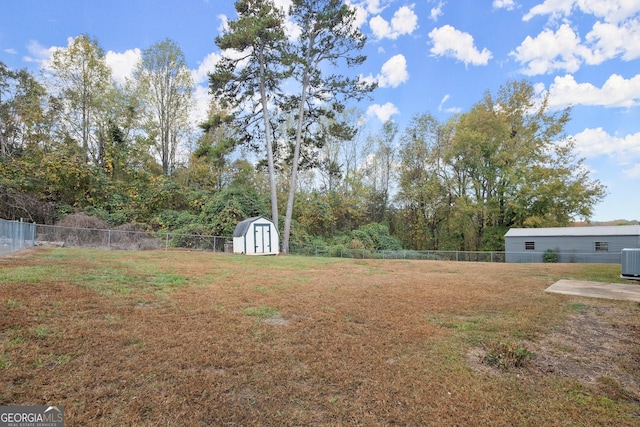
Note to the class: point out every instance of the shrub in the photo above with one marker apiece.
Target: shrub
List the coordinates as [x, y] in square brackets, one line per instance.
[550, 256]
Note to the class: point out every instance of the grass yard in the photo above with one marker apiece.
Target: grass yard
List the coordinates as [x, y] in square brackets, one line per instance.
[199, 339]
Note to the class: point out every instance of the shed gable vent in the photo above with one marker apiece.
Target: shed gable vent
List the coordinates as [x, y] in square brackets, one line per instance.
[630, 259]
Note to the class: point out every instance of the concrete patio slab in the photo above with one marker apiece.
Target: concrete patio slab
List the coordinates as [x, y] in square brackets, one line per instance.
[596, 289]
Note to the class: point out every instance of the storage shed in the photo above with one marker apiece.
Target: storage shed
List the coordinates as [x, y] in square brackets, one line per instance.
[601, 244]
[256, 236]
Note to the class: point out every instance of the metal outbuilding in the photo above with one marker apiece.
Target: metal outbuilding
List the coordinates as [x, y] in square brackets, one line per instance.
[256, 236]
[597, 244]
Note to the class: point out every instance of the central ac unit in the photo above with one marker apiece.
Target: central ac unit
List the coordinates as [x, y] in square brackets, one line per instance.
[630, 259]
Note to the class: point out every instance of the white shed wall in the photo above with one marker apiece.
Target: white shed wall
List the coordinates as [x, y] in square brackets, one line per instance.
[260, 238]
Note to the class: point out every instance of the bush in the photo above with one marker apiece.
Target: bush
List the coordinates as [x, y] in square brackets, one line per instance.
[507, 355]
[82, 220]
[550, 256]
[375, 236]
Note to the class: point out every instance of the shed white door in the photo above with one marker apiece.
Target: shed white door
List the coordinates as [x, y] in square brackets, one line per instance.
[262, 238]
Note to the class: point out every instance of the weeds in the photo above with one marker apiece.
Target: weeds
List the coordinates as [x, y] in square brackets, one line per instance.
[4, 361]
[11, 303]
[261, 312]
[42, 331]
[505, 355]
[578, 307]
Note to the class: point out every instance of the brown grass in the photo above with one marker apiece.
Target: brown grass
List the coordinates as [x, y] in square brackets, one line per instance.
[189, 338]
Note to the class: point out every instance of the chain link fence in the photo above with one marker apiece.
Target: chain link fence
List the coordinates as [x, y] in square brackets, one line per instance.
[344, 252]
[16, 235]
[473, 256]
[57, 236]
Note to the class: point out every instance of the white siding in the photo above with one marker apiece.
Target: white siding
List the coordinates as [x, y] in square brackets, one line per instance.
[256, 236]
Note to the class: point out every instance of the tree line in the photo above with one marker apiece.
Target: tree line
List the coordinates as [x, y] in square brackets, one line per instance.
[76, 140]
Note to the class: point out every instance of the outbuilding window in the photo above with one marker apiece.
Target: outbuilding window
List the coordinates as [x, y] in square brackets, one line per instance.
[529, 246]
[602, 246]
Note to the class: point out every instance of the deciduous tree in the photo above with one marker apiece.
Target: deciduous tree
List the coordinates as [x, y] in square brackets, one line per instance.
[81, 82]
[165, 89]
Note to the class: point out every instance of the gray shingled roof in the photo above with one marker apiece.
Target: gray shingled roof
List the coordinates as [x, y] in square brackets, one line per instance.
[243, 226]
[609, 230]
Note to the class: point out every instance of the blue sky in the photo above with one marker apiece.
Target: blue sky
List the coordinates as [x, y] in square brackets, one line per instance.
[428, 56]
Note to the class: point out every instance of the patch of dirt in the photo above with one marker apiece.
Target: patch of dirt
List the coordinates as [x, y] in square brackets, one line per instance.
[276, 320]
[597, 346]
[594, 345]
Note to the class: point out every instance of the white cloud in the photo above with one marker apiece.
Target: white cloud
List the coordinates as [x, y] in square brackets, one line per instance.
[436, 12]
[373, 6]
[504, 4]
[122, 64]
[615, 33]
[283, 4]
[392, 74]
[615, 92]
[205, 67]
[610, 10]
[381, 28]
[404, 21]
[39, 53]
[632, 172]
[394, 71]
[551, 51]
[224, 24]
[448, 41]
[10, 51]
[625, 150]
[361, 14]
[382, 112]
[613, 11]
[202, 101]
[610, 40]
[453, 110]
[555, 8]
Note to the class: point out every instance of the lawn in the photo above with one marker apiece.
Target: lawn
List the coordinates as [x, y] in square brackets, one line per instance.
[191, 338]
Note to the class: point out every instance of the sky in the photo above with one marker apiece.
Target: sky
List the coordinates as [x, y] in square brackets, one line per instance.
[427, 56]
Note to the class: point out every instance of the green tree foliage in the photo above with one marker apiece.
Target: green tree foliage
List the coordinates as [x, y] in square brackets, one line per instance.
[375, 236]
[328, 36]
[227, 208]
[378, 171]
[164, 88]
[252, 73]
[426, 190]
[81, 82]
[209, 167]
[22, 116]
[505, 163]
[520, 164]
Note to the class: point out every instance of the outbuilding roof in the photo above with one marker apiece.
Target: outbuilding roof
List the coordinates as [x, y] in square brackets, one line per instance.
[608, 230]
[243, 226]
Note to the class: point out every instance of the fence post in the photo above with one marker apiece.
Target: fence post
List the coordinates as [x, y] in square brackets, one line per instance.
[166, 242]
[20, 235]
[14, 235]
